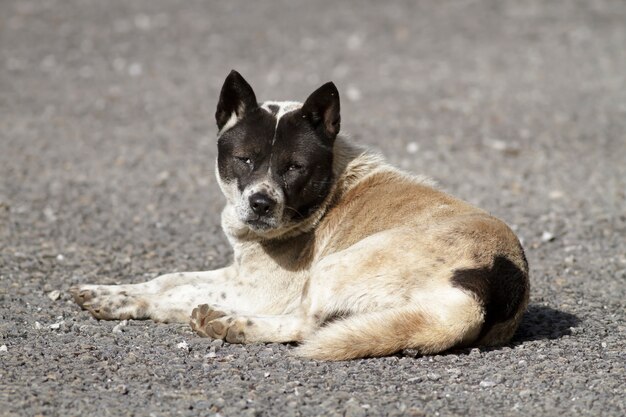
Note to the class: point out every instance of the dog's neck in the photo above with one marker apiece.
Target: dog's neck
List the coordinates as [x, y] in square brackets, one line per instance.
[351, 164]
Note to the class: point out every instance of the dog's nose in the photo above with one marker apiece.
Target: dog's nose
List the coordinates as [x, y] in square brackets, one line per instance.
[261, 204]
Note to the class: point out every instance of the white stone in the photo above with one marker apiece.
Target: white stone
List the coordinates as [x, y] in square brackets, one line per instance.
[496, 144]
[353, 93]
[56, 326]
[412, 147]
[354, 42]
[143, 21]
[54, 295]
[135, 69]
[119, 327]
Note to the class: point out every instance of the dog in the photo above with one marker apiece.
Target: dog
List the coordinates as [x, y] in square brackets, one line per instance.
[334, 249]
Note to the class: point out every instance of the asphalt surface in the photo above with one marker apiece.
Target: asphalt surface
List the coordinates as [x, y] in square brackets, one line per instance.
[107, 148]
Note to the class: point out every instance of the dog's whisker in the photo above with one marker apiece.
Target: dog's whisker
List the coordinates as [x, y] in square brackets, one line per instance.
[294, 210]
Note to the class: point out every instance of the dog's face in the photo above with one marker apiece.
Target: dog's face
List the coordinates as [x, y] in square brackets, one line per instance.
[275, 160]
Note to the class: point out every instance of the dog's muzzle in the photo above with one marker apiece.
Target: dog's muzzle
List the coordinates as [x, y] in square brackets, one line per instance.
[262, 204]
[261, 211]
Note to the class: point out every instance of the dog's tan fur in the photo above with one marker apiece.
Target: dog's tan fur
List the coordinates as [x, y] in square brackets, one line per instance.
[369, 274]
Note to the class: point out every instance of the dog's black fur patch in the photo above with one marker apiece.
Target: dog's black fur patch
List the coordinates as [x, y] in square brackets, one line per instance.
[236, 96]
[500, 288]
[250, 139]
[297, 152]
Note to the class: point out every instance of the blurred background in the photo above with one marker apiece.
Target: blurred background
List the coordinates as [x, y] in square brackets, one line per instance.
[108, 106]
[107, 142]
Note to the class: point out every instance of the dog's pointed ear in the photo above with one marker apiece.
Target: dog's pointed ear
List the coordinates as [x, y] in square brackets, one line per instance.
[322, 110]
[236, 97]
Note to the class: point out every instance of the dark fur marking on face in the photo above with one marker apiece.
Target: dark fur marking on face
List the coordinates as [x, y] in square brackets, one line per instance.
[295, 154]
[299, 149]
[250, 139]
[302, 163]
[501, 289]
[223, 295]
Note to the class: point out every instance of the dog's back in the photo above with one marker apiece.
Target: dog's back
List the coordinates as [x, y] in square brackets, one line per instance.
[395, 234]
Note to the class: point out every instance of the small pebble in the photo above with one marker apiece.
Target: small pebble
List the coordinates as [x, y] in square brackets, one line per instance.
[412, 147]
[547, 237]
[496, 144]
[56, 326]
[135, 69]
[119, 327]
[121, 389]
[556, 194]
[353, 93]
[183, 345]
[3, 348]
[487, 384]
[56, 294]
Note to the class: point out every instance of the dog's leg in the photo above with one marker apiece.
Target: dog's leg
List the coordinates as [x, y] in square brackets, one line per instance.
[234, 328]
[167, 298]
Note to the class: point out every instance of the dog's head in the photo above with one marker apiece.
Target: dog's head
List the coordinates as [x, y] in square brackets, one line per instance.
[275, 159]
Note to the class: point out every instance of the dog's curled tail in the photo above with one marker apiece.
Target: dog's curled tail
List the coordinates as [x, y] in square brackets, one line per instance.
[386, 332]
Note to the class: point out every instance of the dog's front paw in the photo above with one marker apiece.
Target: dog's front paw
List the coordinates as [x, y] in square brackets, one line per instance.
[215, 324]
[109, 302]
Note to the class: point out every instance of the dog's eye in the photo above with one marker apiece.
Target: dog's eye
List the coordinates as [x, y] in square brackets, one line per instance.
[294, 167]
[244, 159]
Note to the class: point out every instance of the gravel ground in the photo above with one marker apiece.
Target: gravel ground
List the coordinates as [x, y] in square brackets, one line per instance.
[106, 175]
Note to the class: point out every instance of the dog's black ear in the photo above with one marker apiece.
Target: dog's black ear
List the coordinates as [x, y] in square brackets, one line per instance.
[322, 109]
[236, 97]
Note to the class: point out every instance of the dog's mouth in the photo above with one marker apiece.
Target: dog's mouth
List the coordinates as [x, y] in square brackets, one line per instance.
[260, 224]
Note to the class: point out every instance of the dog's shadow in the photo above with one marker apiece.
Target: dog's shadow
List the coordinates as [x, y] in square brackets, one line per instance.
[541, 323]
